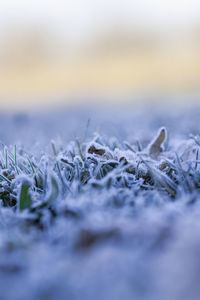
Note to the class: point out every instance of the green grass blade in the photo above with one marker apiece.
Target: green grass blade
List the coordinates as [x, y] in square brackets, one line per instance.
[25, 197]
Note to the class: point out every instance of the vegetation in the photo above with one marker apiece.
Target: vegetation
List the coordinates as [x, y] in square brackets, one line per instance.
[101, 214]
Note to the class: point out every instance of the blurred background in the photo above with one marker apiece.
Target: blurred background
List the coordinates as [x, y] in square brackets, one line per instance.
[59, 52]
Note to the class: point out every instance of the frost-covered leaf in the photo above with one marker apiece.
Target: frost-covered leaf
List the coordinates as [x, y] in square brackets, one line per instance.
[95, 150]
[156, 146]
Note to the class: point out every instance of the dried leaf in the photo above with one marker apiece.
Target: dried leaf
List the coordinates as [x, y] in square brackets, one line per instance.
[155, 147]
[94, 150]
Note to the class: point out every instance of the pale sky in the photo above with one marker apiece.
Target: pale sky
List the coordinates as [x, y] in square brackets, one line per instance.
[78, 19]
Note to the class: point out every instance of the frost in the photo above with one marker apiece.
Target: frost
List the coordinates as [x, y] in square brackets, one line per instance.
[100, 216]
[156, 146]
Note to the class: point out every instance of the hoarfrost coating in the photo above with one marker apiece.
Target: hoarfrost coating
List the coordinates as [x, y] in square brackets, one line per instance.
[100, 209]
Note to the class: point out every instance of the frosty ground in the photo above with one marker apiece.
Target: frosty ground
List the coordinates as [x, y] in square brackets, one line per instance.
[100, 204]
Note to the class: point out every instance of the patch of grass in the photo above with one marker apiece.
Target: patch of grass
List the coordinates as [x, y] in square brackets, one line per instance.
[106, 208]
[95, 165]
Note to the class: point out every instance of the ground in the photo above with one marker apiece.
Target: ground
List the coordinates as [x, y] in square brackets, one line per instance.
[100, 203]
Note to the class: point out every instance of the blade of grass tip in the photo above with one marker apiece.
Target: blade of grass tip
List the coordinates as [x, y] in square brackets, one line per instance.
[15, 159]
[57, 164]
[22, 166]
[45, 177]
[139, 146]
[53, 147]
[64, 185]
[79, 150]
[15, 154]
[31, 165]
[129, 147]
[12, 164]
[2, 158]
[6, 157]
[11, 156]
[197, 158]
[12, 160]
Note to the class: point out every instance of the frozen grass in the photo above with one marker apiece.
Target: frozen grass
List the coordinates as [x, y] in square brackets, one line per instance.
[100, 205]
